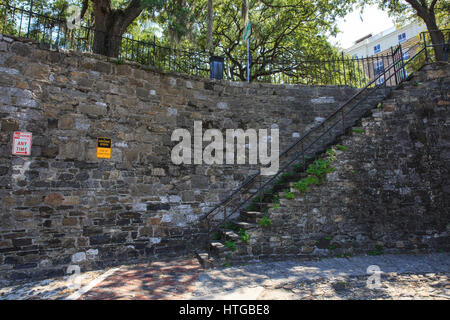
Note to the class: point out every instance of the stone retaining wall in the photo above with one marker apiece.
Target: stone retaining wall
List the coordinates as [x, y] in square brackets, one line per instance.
[390, 191]
[64, 206]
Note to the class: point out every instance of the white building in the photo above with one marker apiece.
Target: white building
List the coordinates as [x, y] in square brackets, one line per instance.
[382, 42]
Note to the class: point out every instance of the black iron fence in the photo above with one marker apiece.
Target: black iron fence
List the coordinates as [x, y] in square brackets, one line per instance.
[425, 38]
[335, 70]
[54, 31]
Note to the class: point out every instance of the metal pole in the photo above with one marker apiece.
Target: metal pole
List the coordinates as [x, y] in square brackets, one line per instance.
[208, 237]
[248, 59]
[403, 64]
[260, 192]
[395, 69]
[225, 217]
[343, 64]
[29, 17]
[425, 44]
[303, 155]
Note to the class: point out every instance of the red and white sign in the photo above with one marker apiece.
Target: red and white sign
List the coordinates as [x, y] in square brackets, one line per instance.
[22, 143]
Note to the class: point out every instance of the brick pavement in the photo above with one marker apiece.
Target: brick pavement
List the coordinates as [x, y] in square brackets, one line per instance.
[148, 281]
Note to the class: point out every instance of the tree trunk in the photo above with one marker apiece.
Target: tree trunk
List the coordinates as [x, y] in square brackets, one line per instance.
[437, 37]
[427, 14]
[110, 25]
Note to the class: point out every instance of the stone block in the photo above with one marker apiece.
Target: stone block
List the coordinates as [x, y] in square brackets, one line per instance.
[54, 199]
[78, 257]
[66, 122]
[71, 150]
[69, 221]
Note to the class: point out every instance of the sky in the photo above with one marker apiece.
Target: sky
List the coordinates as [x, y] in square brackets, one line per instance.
[352, 28]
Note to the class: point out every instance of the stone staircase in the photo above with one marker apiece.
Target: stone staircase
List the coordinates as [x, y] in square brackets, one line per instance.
[227, 243]
[240, 239]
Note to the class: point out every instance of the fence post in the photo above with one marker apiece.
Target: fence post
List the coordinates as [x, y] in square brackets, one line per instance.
[225, 216]
[303, 154]
[343, 64]
[403, 63]
[395, 68]
[208, 226]
[425, 44]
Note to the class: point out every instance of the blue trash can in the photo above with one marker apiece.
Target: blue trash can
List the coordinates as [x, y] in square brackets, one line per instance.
[216, 67]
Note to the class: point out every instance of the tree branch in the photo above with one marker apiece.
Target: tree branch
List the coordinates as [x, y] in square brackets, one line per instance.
[133, 11]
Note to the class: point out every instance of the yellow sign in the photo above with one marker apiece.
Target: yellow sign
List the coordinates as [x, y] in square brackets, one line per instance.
[104, 148]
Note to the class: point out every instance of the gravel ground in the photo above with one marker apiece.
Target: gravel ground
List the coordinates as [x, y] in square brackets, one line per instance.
[393, 287]
[413, 276]
[418, 276]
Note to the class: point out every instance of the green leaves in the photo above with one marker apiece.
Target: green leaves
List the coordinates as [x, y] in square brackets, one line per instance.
[341, 147]
[230, 245]
[265, 221]
[289, 195]
[320, 168]
[317, 172]
[153, 4]
[245, 236]
[303, 184]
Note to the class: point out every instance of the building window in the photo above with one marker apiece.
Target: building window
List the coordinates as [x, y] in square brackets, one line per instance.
[377, 49]
[379, 67]
[402, 37]
[405, 55]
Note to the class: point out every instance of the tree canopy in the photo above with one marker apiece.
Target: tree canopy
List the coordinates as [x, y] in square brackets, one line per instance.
[434, 13]
[283, 31]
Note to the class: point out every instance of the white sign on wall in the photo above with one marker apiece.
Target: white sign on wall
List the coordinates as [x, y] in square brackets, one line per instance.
[22, 143]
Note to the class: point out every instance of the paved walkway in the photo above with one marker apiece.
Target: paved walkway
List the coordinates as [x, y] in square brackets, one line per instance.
[331, 278]
[154, 281]
[421, 276]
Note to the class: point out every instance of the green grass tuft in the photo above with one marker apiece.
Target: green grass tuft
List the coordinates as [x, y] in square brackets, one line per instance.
[265, 221]
[341, 147]
[230, 245]
[289, 195]
[245, 236]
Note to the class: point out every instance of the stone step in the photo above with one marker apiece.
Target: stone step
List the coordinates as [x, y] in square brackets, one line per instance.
[205, 261]
[246, 225]
[282, 186]
[217, 247]
[231, 235]
[251, 216]
[212, 261]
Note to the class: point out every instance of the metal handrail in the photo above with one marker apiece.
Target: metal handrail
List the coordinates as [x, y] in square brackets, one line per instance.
[446, 45]
[253, 178]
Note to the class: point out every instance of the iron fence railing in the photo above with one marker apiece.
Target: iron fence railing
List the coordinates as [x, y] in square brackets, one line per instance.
[426, 42]
[335, 70]
[54, 32]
